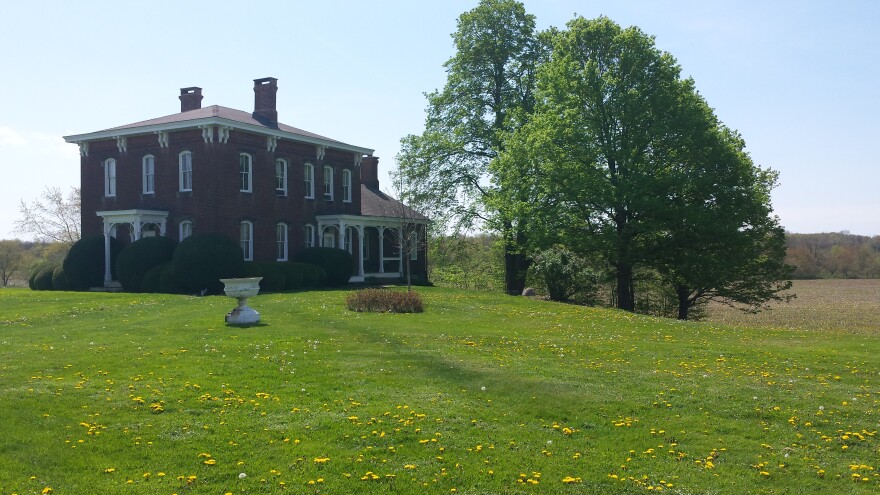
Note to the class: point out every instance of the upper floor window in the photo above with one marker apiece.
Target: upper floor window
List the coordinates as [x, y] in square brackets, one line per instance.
[281, 241]
[281, 177]
[149, 169]
[346, 186]
[245, 167]
[185, 168]
[109, 177]
[185, 229]
[309, 170]
[309, 233]
[247, 240]
[328, 183]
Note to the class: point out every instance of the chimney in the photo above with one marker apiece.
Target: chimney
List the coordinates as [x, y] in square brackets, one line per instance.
[190, 99]
[264, 101]
[370, 172]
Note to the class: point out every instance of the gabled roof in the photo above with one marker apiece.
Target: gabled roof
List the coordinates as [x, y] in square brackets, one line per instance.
[215, 115]
[378, 204]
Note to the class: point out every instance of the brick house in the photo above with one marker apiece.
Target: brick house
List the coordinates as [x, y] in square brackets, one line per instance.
[274, 188]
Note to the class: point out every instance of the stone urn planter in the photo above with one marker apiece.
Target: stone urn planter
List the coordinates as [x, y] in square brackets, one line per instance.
[242, 289]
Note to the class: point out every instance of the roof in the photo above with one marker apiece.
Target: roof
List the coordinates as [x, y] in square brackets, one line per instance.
[378, 204]
[215, 115]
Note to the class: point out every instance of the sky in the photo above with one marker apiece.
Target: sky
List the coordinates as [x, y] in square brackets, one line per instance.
[797, 78]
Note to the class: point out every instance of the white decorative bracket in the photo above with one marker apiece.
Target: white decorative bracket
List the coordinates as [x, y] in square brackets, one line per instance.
[207, 133]
[163, 138]
[122, 144]
[357, 159]
[271, 143]
[84, 148]
[320, 151]
[223, 133]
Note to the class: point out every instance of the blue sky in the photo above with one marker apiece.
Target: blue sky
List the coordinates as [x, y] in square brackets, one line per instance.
[798, 79]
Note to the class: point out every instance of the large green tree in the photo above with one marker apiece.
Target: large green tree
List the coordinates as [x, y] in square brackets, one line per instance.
[621, 159]
[489, 92]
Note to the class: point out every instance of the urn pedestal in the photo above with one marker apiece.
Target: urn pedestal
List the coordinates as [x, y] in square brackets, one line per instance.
[242, 289]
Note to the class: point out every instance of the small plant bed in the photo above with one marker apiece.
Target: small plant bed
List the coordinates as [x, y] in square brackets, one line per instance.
[384, 301]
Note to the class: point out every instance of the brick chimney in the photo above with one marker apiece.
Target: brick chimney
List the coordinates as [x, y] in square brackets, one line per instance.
[264, 101]
[370, 172]
[190, 99]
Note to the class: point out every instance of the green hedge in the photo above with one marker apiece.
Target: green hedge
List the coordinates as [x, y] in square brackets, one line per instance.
[59, 280]
[139, 257]
[338, 264]
[43, 277]
[84, 264]
[200, 261]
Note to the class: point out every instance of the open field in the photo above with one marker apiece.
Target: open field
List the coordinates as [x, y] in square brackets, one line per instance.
[482, 393]
[845, 306]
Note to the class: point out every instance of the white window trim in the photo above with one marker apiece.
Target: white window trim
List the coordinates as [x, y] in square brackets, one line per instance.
[247, 249]
[281, 191]
[346, 186]
[110, 178]
[309, 177]
[148, 166]
[281, 241]
[246, 176]
[328, 183]
[309, 233]
[180, 230]
[184, 173]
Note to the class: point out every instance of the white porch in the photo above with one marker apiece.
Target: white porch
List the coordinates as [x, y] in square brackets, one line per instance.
[141, 223]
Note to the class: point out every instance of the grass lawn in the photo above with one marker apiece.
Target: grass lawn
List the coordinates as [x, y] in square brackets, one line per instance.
[482, 393]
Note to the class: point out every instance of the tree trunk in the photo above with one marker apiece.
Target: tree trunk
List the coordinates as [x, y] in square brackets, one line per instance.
[516, 266]
[684, 303]
[625, 292]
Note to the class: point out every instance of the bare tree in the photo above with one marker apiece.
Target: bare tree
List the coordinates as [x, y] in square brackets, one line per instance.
[52, 217]
[408, 227]
[11, 259]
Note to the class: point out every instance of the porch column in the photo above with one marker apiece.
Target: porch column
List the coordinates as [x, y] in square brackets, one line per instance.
[137, 225]
[342, 234]
[162, 228]
[381, 249]
[107, 272]
[360, 250]
[320, 241]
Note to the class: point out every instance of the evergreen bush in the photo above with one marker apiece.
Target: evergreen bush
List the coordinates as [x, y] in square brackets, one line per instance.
[150, 280]
[200, 261]
[84, 264]
[274, 276]
[565, 274]
[313, 276]
[43, 277]
[59, 280]
[338, 264]
[138, 257]
[169, 280]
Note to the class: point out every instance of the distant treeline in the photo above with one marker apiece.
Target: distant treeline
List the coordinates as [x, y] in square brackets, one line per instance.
[833, 255]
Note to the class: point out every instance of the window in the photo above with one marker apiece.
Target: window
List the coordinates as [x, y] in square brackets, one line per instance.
[328, 183]
[281, 241]
[185, 166]
[310, 180]
[247, 240]
[309, 233]
[281, 177]
[329, 238]
[149, 168]
[185, 229]
[245, 166]
[349, 233]
[109, 177]
[346, 186]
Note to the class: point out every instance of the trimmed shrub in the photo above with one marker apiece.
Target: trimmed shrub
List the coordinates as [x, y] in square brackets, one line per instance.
[59, 280]
[565, 274]
[150, 281]
[36, 268]
[337, 263]
[84, 264]
[168, 280]
[274, 276]
[385, 301]
[43, 277]
[313, 276]
[135, 259]
[200, 261]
